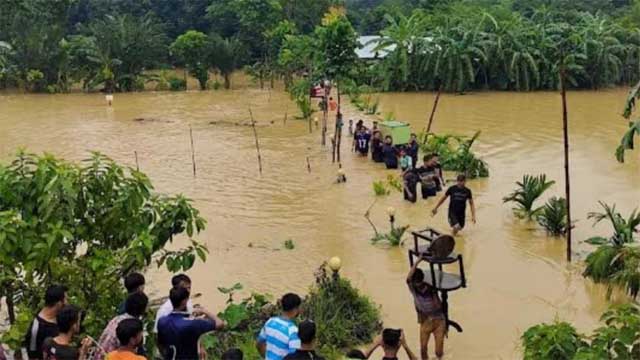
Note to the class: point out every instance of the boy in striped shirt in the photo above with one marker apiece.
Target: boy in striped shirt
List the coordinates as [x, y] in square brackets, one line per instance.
[279, 336]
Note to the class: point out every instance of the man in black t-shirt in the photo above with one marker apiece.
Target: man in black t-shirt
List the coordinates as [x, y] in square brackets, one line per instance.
[45, 325]
[459, 195]
[428, 173]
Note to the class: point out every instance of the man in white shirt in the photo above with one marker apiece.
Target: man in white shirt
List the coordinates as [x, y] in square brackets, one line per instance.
[180, 280]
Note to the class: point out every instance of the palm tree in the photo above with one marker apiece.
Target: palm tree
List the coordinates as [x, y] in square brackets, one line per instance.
[401, 36]
[225, 56]
[529, 190]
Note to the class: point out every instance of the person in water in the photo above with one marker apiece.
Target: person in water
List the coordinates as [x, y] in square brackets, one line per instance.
[441, 182]
[459, 195]
[410, 181]
[428, 177]
[389, 153]
[429, 309]
[351, 127]
[333, 106]
[406, 163]
[413, 148]
[376, 147]
[361, 141]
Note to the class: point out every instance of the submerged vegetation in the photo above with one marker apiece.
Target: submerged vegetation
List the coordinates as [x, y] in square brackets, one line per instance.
[528, 191]
[553, 216]
[618, 338]
[455, 153]
[616, 261]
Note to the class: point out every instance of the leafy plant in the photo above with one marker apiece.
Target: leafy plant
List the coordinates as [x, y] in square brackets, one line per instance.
[85, 225]
[393, 237]
[557, 341]
[455, 153]
[289, 244]
[623, 229]
[177, 84]
[344, 317]
[553, 216]
[529, 190]
[230, 291]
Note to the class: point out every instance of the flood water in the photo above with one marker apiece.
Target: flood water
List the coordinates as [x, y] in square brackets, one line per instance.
[517, 276]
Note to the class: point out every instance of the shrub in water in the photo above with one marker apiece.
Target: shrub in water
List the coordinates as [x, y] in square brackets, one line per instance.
[553, 216]
[557, 341]
[528, 191]
[177, 84]
[455, 153]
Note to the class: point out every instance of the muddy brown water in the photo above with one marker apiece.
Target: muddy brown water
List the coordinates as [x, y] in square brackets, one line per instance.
[517, 276]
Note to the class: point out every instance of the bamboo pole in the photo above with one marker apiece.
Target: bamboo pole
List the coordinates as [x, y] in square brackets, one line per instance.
[433, 110]
[193, 151]
[308, 165]
[286, 113]
[135, 153]
[366, 216]
[565, 130]
[255, 135]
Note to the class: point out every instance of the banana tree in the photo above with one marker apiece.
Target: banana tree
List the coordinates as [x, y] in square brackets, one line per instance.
[628, 139]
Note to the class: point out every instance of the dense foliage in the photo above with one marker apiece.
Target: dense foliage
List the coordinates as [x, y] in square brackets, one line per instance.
[454, 45]
[84, 225]
[618, 338]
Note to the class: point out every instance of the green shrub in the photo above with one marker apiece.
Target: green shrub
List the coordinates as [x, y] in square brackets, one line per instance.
[528, 191]
[455, 153]
[177, 84]
[557, 341]
[553, 216]
[393, 237]
[345, 318]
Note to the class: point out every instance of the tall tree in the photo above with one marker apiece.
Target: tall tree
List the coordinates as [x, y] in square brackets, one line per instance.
[193, 50]
[226, 55]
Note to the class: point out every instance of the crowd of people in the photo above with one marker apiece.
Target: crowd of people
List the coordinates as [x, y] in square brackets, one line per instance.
[429, 175]
[179, 325]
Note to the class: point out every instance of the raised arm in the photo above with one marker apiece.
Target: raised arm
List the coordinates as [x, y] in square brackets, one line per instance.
[376, 343]
[413, 269]
[410, 353]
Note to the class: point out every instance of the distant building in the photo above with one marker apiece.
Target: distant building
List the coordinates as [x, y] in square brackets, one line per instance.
[367, 48]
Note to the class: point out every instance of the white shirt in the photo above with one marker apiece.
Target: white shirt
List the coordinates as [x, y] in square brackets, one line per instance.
[166, 309]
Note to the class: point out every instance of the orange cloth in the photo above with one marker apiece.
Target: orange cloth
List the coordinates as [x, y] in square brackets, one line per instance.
[124, 355]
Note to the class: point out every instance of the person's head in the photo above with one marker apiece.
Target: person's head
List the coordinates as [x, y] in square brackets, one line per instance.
[413, 137]
[356, 354]
[391, 339]
[130, 333]
[179, 297]
[330, 98]
[307, 332]
[136, 304]
[68, 320]
[181, 280]
[428, 159]
[350, 121]
[291, 305]
[134, 282]
[388, 140]
[233, 354]
[461, 179]
[435, 158]
[55, 297]
[377, 134]
[403, 152]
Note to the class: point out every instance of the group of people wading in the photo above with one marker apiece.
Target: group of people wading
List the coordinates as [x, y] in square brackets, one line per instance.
[429, 175]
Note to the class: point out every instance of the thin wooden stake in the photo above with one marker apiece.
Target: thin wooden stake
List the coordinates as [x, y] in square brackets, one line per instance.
[308, 165]
[255, 135]
[433, 110]
[565, 130]
[137, 165]
[193, 151]
[286, 112]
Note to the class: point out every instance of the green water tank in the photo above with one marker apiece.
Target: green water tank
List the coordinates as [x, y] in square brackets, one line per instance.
[399, 131]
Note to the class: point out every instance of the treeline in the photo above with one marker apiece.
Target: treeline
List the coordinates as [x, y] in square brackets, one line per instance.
[452, 45]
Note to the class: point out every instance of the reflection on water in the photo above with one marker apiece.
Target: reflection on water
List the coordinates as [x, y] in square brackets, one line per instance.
[517, 276]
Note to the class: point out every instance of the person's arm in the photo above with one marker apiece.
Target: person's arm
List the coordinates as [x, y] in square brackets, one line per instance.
[410, 353]
[376, 343]
[84, 348]
[219, 323]
[473, 210]
[442, 199]
[413, 270]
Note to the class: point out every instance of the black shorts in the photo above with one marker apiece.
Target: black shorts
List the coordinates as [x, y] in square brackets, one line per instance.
[456, 219]
[428, 192]
[413, 196]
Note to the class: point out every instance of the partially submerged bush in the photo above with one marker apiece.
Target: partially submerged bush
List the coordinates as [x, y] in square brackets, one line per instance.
[528, 191]
[557, 341]
[619, 338]
[553, 216]
[455, 153]
[345, 318]
[393, 237]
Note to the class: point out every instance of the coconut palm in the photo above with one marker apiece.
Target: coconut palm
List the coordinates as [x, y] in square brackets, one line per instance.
[528, 191]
